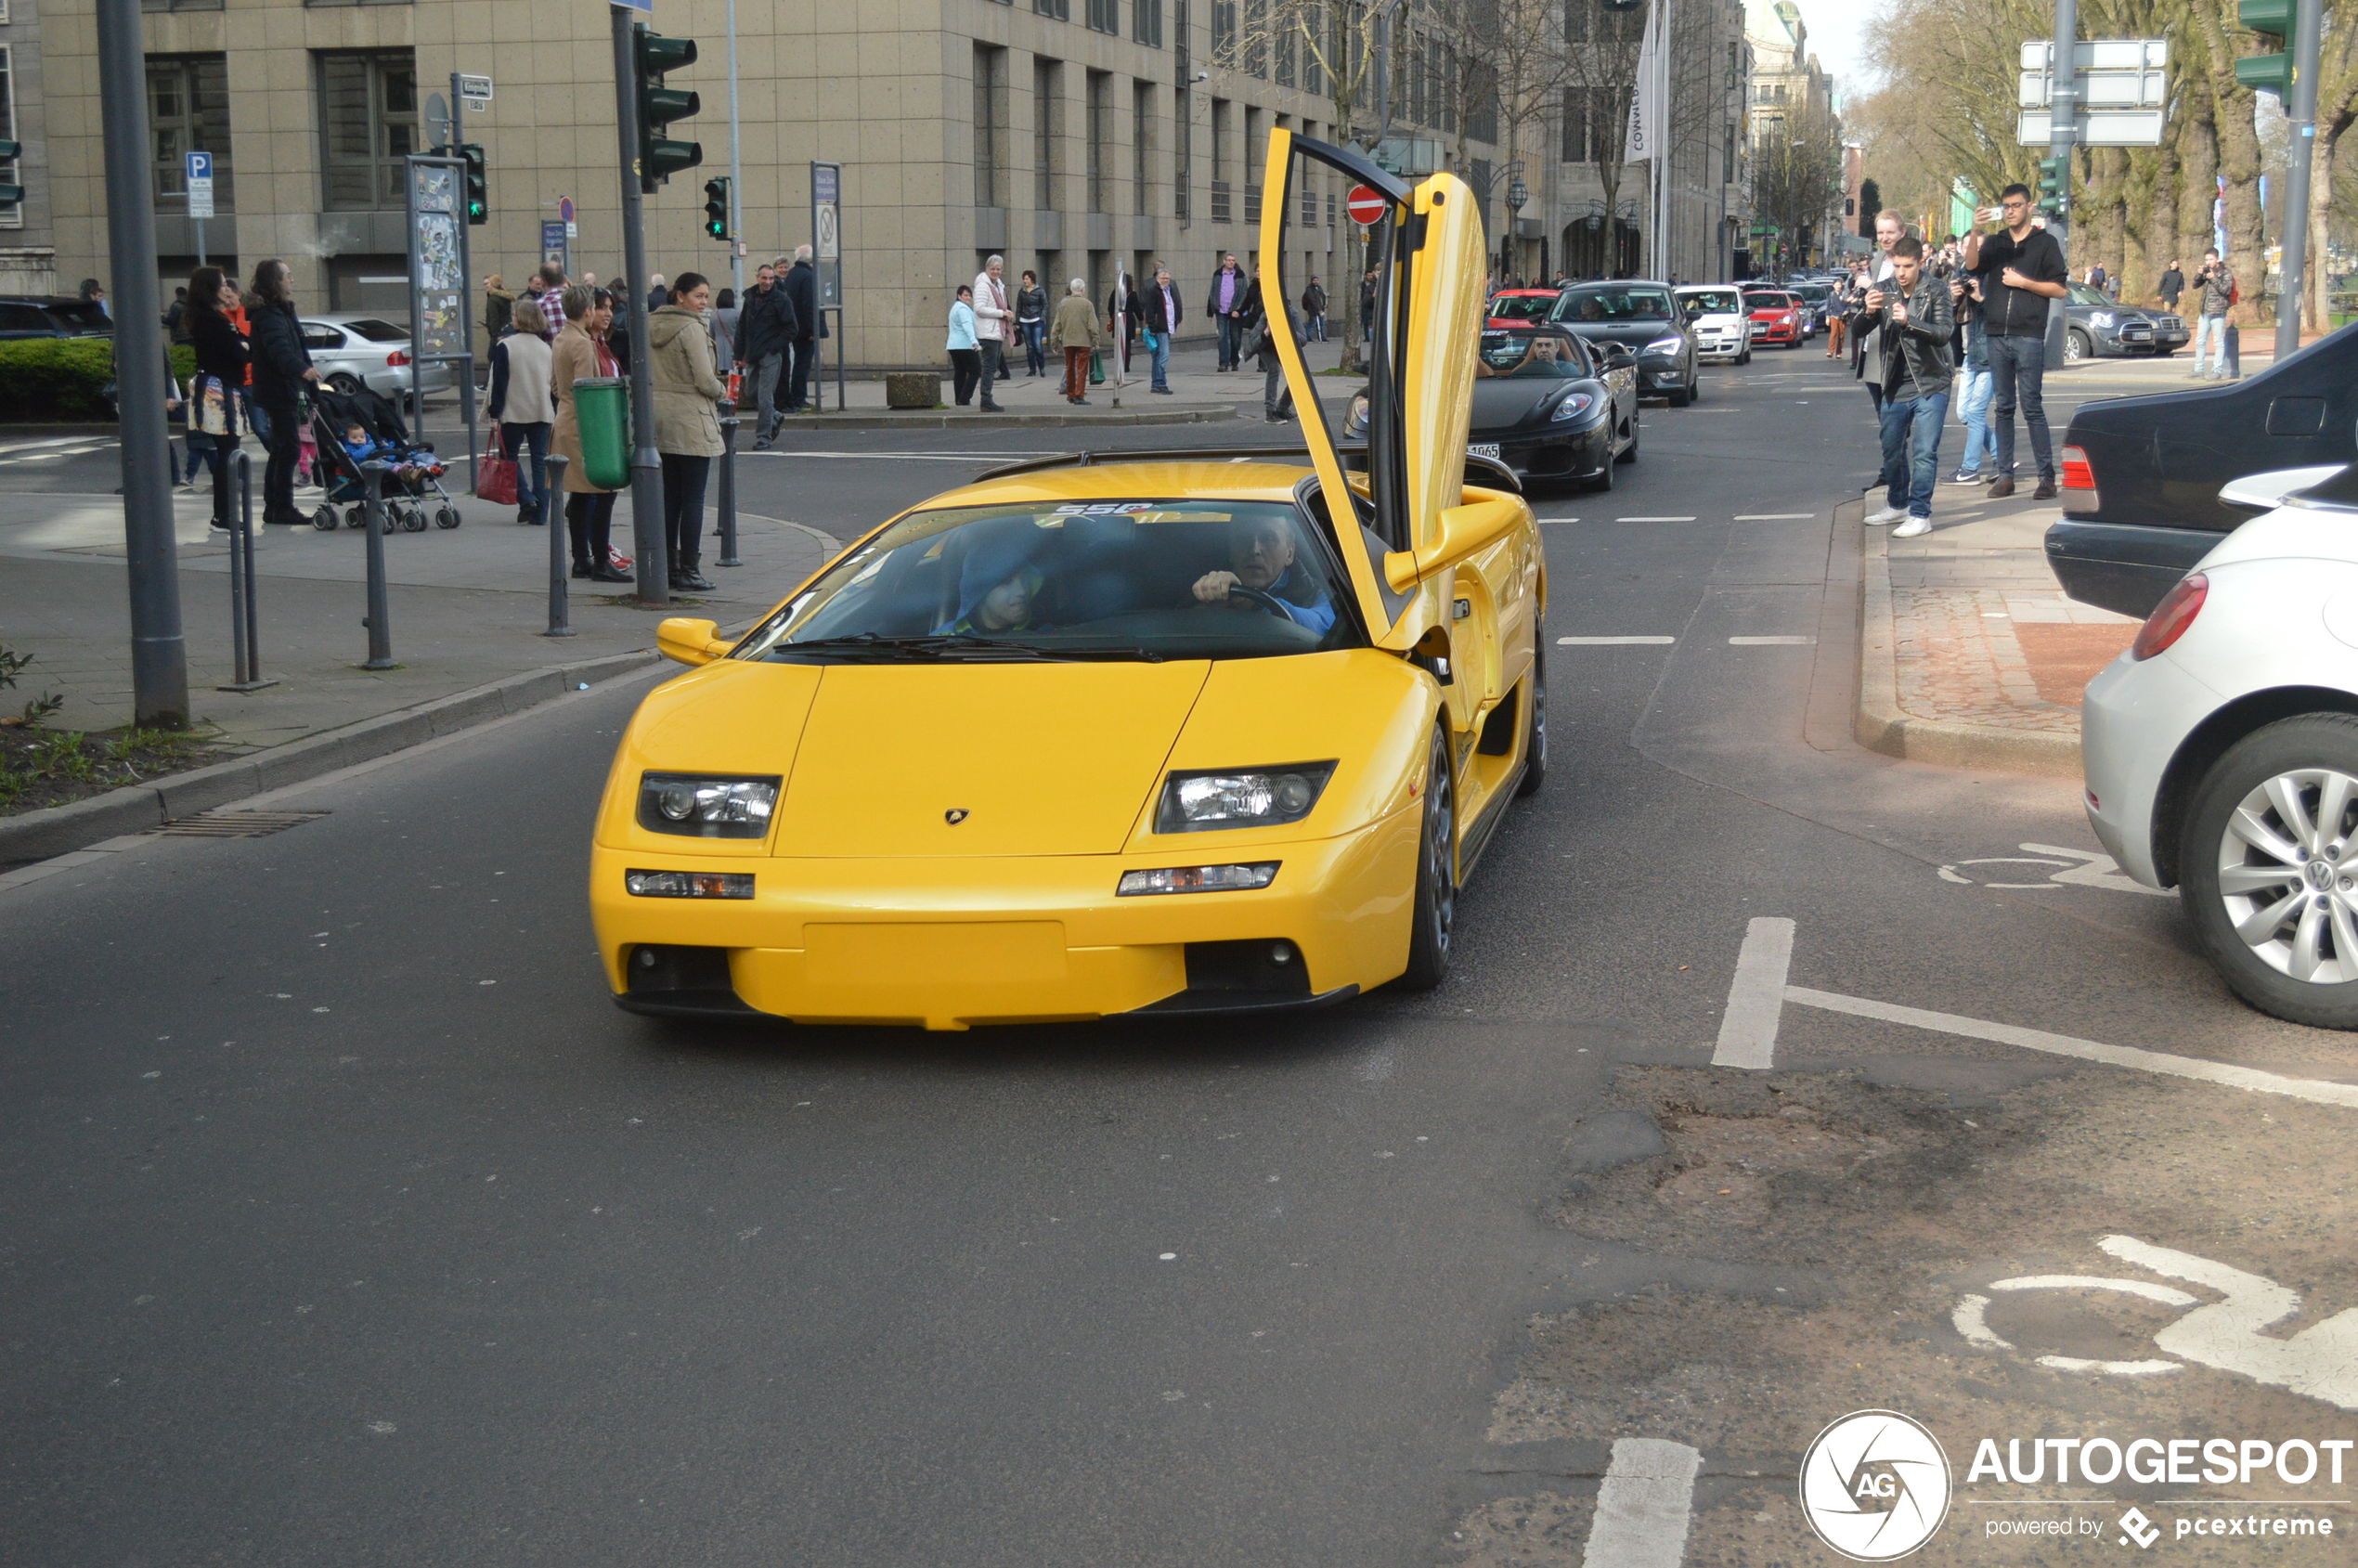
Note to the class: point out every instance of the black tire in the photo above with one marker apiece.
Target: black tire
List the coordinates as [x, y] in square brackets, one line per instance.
[446, 516]
[2314, 896]
[1694, 387]
[413, 519]
[2077, 347]
[1629, 453]
[355, 516]
[1602, 483]
[1535, 728]
[1745, 357]
[1433, 912]
[1682, 398]
[324, 520]
[344, 383]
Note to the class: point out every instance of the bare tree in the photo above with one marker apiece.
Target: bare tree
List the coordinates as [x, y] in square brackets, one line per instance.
[1796, 174]
[1508, 66]
[1600, 79]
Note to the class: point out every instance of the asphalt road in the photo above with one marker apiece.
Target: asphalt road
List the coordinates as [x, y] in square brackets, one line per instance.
[345, 1220]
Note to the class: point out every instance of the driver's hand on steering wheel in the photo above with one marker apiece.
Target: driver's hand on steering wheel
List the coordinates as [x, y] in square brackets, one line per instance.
[1212, 586]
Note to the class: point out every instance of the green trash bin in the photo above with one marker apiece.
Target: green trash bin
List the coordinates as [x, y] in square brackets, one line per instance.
[601, 403]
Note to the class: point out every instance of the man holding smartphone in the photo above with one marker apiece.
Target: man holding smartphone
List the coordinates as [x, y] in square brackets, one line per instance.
[2021, 269]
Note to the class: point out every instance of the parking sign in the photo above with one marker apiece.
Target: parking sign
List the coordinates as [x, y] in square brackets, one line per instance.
[200, 181]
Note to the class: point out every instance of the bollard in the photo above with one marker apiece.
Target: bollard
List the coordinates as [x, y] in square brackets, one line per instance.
[2231, 348]
[380, 620]
[553, 478]
[245, 640]
[728, 486]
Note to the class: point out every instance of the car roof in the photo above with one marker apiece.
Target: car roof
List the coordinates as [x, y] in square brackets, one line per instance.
[1118, 476]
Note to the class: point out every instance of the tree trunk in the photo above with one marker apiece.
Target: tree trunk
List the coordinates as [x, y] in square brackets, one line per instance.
[2158, 220]
[2320, 192]
[2198, 189]
[2111, 201]
[2246, 230]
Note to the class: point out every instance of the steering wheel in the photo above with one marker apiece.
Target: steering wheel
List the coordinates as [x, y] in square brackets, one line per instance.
[1266, 603]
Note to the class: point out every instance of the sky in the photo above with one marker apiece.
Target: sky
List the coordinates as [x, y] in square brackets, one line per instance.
[1838, 37]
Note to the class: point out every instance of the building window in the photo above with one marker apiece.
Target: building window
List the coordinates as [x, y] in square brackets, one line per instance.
[1728, 155]
[11, 171]
[1223, 32]
[1105, 15]
[180, 4]
[1311, 21]
[1146, 23]
[1060, 9]
[1257, 39]
[1256, 155]
[1142, 146]
[368, 121]
[1183, 114]
[990, 126]
[1576, 148]
[1099, 87]
[1047, 126]
[189, 111]
[1219, 160]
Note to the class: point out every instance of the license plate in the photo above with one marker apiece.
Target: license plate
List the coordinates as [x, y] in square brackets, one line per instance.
[1483, 449]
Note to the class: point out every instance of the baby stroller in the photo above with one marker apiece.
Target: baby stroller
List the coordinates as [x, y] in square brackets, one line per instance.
[406, 494]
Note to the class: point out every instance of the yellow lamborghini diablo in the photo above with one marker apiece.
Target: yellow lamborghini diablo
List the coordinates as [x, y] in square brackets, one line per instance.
[1127, 735]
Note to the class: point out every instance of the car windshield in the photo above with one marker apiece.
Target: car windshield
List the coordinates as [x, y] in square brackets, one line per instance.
[1768, 302]
[1521, 308]
[1151, 579]
[2082, 294]
[1537, 355]
[1815, 291]
[1611, 304]
[377, 331]
[1712, 302]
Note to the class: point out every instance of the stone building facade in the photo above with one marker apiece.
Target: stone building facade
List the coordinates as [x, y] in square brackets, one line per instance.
[27, 252]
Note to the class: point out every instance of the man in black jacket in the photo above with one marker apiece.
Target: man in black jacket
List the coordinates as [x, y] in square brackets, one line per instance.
[1226, 305]
[766, 330]
[281, 369]
[1162, 313]
[802, 294]
[2022, 268]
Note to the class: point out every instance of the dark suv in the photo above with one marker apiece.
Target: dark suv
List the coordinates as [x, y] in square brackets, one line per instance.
[51, 316]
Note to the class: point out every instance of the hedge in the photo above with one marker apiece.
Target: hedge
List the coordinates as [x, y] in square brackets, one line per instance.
[52, 381]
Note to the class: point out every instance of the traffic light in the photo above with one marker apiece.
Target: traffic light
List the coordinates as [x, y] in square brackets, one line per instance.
[10, 195]
[651, 56]
[2271, 18]
[716, 208]
[2054, 174]
[478, 182]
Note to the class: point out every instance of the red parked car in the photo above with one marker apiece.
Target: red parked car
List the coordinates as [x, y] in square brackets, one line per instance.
[1776, 317]
[1521, 307]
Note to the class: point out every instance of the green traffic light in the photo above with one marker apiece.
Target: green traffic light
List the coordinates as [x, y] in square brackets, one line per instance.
[478, 182]
[716, 208]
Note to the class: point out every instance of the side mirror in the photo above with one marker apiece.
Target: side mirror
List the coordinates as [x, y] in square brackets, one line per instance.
[1618, 358]
[690, 641]
[1464, 531]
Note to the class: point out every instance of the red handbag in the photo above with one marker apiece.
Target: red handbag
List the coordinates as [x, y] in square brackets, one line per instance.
[495, 475]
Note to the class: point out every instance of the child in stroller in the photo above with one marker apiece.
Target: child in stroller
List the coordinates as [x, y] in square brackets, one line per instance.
[350, 429]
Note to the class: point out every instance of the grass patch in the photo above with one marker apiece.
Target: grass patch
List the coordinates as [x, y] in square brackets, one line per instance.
[51, 767]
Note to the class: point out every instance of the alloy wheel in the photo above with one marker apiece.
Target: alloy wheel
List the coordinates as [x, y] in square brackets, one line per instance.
[2289, 874]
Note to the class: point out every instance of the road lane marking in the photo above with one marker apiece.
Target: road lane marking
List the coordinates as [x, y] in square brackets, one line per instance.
[1644, 1507]
[1771, 641]
[1774, 516]
[1612, 641]
[884, 457]
[2231, 1076]
[1556, 520]
[1653, 519]
[1755, 998]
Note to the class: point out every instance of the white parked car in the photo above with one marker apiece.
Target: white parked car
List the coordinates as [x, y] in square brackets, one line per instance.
[2222, 750]
[1722, 325]
[353, 349]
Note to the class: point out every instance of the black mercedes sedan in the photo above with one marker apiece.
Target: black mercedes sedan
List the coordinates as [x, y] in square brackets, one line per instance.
[1643, 318]
[2140, 476]
[1547, 406]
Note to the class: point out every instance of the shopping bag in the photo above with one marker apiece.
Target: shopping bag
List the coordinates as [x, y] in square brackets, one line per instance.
[1097, 366]
[495, 475]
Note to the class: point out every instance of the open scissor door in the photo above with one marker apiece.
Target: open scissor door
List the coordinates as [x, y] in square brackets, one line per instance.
[1429, 255]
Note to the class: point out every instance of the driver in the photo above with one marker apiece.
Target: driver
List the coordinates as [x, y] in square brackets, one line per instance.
[1261, 555]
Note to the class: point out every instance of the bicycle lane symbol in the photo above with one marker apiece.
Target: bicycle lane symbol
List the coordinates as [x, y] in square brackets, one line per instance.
[2320, 1362]
[2069, 867]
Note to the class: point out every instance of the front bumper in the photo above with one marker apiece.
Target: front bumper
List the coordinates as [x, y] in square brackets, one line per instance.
[1719, 347]
[1660, 378]
[1574, 454]
[945, 943]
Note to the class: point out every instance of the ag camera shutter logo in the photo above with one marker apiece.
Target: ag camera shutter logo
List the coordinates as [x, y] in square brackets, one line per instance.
[1875, 1485]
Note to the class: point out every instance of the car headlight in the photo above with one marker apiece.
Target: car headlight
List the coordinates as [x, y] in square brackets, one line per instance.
[2100, 318]
[1212, 798]
[1575, 405]
[1358, 422]
[1666, 346]
[706, 806]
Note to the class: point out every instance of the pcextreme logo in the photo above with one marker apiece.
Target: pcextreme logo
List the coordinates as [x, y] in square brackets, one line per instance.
[1875, 1485]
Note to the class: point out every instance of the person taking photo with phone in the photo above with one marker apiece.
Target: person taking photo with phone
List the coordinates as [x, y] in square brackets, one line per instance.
[2021, 269]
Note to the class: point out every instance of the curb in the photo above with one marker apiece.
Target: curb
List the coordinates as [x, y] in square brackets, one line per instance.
[1881, 726]
[926, 419]
[58, 830]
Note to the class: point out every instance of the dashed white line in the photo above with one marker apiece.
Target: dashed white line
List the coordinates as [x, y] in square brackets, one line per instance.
[1771, 641]
[1774, 516]
[1613, 642]
[1756, 997]
[1644, 1507]
[1653, 519]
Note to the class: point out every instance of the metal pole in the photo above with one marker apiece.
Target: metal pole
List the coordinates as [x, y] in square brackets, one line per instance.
[2308, 23]
[159, 651]
[728, 487]
[2063, 131]
[466, 296]
[380, 621]
[417, 305]
[200, 261]
[839, 343]
[1662, 144]
[245, 625]
[553, 478]
[736, 185]
[646, 489]
[254, 677]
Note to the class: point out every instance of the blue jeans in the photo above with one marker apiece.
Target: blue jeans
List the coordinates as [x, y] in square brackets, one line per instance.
[1163, 361]
[1232, 337]
[1035, 338]
[1912, 449]
[1973, 411]
[2018, 367]
[528, 450]
[2210, 331]
[1318, 328]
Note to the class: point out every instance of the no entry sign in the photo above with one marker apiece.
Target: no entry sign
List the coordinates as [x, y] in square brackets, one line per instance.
[1364, 205]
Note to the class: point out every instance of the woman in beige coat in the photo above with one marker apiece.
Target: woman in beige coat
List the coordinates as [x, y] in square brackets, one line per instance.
[578, 353]
[688, 394]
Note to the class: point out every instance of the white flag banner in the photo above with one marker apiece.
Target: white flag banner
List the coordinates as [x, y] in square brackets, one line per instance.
[1648, 104]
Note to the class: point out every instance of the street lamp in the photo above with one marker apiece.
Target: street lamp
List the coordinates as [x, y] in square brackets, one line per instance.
[1517, 194]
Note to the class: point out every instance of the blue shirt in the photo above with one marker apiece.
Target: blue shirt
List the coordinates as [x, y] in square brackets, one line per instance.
[962, 326]
[1318, 615]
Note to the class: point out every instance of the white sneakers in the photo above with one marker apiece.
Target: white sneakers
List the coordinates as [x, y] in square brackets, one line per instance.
[1888, 515]
[1913, 528]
